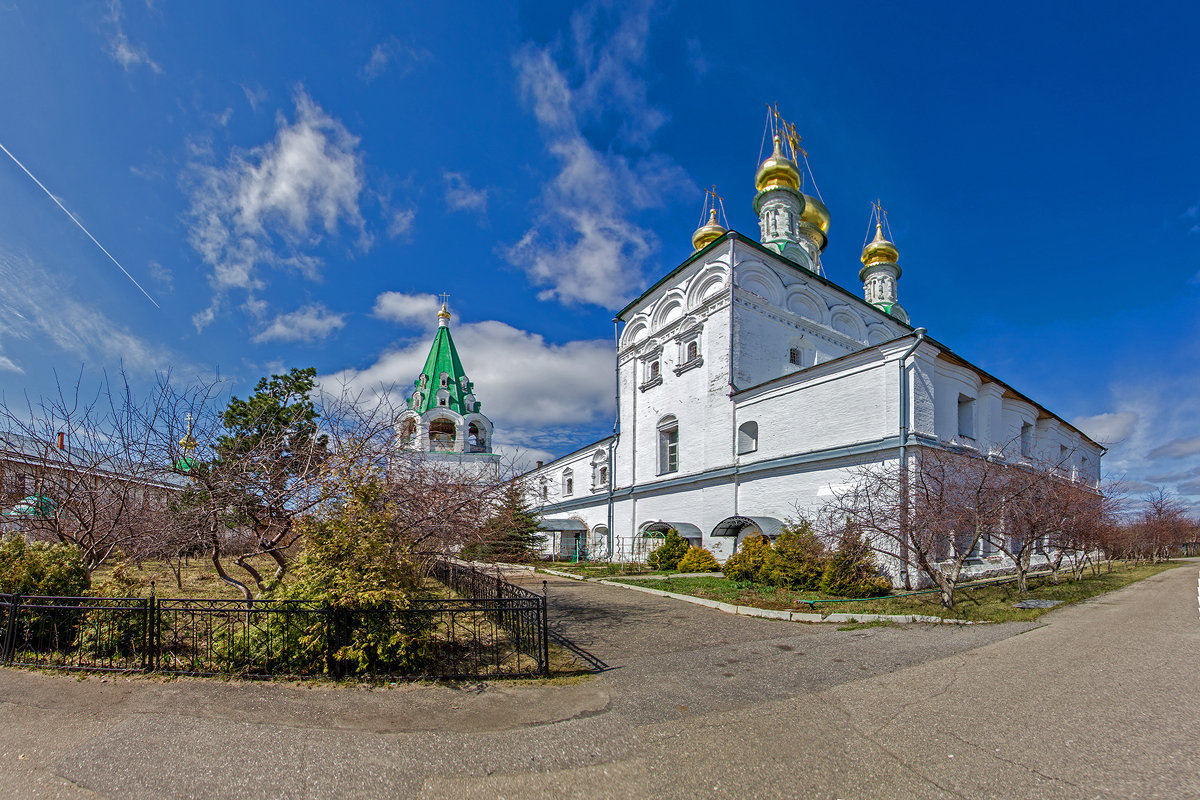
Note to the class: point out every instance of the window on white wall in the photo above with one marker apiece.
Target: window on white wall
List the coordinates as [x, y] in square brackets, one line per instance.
[692, 351]
[796, 356]
[1026, 440]
[668, 446]
[568, 483]
[966, 416]
[747, 441]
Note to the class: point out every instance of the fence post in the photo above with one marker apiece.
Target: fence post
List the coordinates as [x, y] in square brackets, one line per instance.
[545, 634]
[10, 629]
[149, 638]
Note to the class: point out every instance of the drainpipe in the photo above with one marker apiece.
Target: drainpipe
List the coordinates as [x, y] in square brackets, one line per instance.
[732, 385]
[920, 332]
[612, 443]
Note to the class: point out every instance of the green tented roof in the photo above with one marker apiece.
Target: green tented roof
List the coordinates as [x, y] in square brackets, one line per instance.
[443, 358]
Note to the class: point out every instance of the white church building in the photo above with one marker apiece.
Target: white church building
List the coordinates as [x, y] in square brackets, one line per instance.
[749, 386]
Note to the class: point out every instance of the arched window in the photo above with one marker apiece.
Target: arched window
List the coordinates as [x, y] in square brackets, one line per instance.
[476, 438]
[445, 380]
[408, 431]
[1026, 439]
[747, 439]
[599, 470]
[568, 483]
[668, 445]
[543, 489]
[442, 434]
[693, 350]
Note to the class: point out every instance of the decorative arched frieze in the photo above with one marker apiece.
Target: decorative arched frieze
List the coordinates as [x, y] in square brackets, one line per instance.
[635, 330]
[877, 334]
[847, 323]
[667, 310]
[708, 283]
[760, 279]
[803, 302]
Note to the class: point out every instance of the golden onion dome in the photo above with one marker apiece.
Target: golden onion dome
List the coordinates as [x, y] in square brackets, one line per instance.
[816, 214]
[777, 170]
[879, 250]
[709, 232]
[188, 443]
[444, 314]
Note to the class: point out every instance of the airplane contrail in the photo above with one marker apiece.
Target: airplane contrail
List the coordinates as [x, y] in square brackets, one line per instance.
[80, 224]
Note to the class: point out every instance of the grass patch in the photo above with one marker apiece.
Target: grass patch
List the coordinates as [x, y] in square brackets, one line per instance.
[982, 603]
[601, 569]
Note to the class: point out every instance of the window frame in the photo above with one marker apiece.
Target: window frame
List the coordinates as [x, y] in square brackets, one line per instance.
[668, 445]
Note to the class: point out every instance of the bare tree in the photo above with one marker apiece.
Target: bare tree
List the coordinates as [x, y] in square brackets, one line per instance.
[83, 468]
[935, 517]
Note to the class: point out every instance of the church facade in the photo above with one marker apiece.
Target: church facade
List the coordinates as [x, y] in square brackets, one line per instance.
[749, 386]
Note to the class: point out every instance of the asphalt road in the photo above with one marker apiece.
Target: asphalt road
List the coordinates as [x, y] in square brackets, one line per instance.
[1100, 701]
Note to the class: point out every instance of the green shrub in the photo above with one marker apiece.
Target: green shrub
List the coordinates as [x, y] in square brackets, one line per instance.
[40, 568]
[698, 559]
[852, 571]
[748, 563]
[797, 559]
[668, 554]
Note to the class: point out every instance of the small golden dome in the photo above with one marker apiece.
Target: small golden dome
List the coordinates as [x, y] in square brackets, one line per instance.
[816, 214]
[444, 313]
[709, 232]
[188, 443]
[777, 170]
[879, 250]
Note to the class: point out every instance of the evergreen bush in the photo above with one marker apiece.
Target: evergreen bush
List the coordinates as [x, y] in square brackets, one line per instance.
[668, 554]
[797, 559]
[747, 564]
[41, 568]
[698, 559]
[851, 571]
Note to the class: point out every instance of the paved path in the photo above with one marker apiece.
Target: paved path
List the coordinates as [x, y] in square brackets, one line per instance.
[1101, 701]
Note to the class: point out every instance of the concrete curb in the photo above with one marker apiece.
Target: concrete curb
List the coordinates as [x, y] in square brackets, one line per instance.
[790, 616]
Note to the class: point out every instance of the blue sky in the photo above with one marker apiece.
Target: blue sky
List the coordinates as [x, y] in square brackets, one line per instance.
[293, 184]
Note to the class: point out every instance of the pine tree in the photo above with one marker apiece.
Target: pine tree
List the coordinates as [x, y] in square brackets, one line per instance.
[511, 533]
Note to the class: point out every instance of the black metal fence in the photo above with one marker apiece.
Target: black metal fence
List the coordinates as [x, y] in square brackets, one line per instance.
[493, 629]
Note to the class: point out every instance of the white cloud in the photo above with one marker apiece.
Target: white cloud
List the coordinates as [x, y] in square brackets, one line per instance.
[123, 51]
[44, 310]
[1151, 435]
[585, 246]
[270, 206]
[401, 223]
[408, 309]
[461, 196]
[537, 394]
[391, 54]
[163, 276]
[1107, 429]
[256, 95]
[1178, 448]
[306, 324]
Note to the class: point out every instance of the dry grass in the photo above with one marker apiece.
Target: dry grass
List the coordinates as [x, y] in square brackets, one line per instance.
[199, 579]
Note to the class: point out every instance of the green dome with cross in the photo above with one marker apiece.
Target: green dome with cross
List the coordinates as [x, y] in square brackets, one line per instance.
[443, 381]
